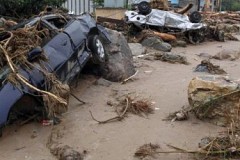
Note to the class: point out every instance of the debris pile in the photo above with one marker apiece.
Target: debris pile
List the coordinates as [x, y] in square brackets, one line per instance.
[141, 107]
[178, 115]
[226, 146]
[171, 58]
[147, 150]
[222, 25]
[215, 98]
[4, 24]
[15, 46]
[207, 66]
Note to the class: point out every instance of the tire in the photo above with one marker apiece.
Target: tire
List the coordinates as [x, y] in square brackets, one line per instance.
[195, 17]
[95, 44]
[144, 8]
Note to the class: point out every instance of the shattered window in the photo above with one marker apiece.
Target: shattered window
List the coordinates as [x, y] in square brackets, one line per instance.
[58, 22]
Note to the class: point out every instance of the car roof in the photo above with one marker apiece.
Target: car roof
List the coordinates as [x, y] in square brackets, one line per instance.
[32, 21]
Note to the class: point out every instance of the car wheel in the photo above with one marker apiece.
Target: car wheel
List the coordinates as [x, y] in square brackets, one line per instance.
[195, 17]
[97, 48]
[144, 8]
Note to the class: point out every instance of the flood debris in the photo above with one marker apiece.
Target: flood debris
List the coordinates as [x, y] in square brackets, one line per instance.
[207, 66]
[147, 150]
[181, 115]
[130, 78]
[4, 24]
[227, 54]
[214, 98]
[225, 146]
[140, 107]
[67, 153]
[14, 48]
[170, 58]
[222, 26]
[59, 150]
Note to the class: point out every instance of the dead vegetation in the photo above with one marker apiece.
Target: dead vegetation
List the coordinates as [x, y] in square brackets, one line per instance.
[140, 107]
[14, 48]
[147, 150]
[227, 144]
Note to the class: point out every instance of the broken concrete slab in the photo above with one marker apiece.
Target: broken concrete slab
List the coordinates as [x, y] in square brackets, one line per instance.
[215, 98]
[137, 49]
[157, 43]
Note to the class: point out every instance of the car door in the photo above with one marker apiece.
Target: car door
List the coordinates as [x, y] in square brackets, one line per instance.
[67, 51]
[58, 50]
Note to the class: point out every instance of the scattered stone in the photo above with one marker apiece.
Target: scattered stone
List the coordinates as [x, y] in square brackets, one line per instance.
[67, 153]
[179, 43]
[103, 82]
[171, 58]
[228, 54]
[119, 65]
[207, 66]
[137, 49]
[215, 98]
[157, 43]
[204, 55]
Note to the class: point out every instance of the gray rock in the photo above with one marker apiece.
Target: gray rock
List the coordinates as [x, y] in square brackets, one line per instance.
[157, 43]
[137, 49]
[119, 65]
[179, 43]
[103, 82]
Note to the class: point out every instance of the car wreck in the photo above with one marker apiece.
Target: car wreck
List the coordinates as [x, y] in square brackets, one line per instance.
[66, 42]
[167, 21]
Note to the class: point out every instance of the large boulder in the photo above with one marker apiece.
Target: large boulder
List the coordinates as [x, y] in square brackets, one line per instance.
[157, 43]
[215, 98]
[137, 49]
[119, 65]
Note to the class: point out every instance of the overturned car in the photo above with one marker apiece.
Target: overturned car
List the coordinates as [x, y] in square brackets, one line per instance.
[70, 42]
[167, 21]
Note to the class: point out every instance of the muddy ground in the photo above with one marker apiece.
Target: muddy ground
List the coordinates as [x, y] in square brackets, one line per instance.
[163, 83]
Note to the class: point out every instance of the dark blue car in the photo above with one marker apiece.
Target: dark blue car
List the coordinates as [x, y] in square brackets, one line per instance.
[74, 41]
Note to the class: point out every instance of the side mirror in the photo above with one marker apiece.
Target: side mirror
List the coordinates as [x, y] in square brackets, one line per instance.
[34, 54]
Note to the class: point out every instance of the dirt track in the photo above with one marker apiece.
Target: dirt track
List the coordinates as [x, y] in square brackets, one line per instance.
[163, 83]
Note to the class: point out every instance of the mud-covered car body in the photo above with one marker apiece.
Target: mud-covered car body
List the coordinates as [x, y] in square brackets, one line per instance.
[67, 51]
[166, 21]
[162, 19]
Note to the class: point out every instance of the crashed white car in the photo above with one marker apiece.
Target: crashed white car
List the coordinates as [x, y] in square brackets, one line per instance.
[144, 15]
[162, 18]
